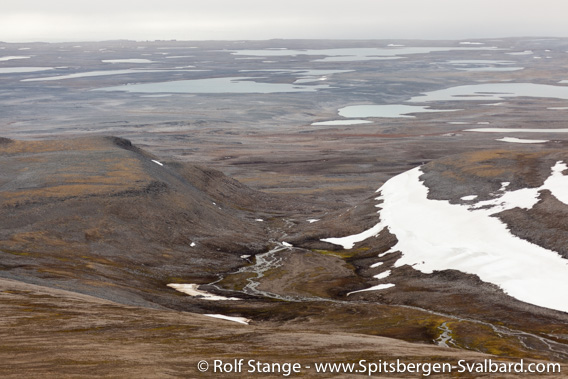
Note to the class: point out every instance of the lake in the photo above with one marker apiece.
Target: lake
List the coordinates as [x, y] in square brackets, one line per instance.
[354, 54]
[493, 91]
[387, 110]
[214, 86]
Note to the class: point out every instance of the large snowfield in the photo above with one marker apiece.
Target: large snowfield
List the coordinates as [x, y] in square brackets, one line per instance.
[436, 235]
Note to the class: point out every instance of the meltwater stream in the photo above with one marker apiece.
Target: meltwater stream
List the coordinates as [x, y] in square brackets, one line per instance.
[273, 259]
[268, 261]
[264, 262]
[446, 336]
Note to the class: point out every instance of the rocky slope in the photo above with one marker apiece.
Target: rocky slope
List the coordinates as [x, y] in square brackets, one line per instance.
[100, 216]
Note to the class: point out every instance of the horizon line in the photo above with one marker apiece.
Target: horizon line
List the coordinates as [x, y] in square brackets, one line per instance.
[283, 39]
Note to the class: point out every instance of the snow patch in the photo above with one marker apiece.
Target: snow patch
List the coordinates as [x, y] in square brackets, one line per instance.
[193, 290]
[557, 182]
[156, 162]
[374, 288]
[350, 241]
[504, 186]
[469, 197]
[12, 57]
[517, 130]
[383, 274]
[521, 140]
[240, 320]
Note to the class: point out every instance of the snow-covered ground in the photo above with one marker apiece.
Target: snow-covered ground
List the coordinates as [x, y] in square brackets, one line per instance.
[521, 140]
[193, 290]
[436, 235]
[517, 130]
[240, 320]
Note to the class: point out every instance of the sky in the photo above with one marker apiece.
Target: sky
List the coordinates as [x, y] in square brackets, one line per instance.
[80, 20]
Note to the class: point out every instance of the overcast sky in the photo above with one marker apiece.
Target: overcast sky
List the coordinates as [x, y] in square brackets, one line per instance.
[80, 20]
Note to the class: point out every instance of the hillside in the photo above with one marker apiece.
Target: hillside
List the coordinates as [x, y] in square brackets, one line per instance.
[100, 216]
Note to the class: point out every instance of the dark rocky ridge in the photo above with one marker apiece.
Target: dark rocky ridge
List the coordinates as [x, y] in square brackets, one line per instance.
[98, 212]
